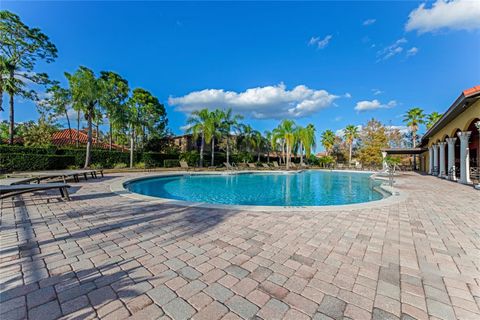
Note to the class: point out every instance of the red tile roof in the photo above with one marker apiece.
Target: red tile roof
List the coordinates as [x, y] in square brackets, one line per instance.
[62, 138]
[471, 91]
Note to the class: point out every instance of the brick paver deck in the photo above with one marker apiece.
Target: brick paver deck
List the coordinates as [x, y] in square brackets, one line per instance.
[107, 256]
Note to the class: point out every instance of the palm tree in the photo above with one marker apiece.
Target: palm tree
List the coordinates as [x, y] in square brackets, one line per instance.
[212, 131]
[413, 118]
[298, 148]
[328, 140]
[3, 77]
[309, 141]
[248, 139]
[197, 123]
[258, 143]
[15, 84]
[85, 90]
[432, 118]
[350, 133]
[306, 139]
[287, 129]
[115, 94]
[134, 120]
[21, 48]
[271, 143]
[279, 138]
[229, 124]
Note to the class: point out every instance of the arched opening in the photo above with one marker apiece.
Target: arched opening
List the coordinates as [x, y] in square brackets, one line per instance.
[474, 145]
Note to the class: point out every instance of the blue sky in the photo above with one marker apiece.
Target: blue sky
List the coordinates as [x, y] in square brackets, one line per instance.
[312, 62]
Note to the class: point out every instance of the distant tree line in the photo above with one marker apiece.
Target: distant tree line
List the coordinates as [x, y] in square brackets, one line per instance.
[135, 115]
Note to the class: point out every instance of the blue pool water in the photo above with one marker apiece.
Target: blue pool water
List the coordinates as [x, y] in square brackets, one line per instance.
[307, 188]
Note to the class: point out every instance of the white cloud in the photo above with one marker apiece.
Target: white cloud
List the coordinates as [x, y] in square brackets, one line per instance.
[366, 105]
[377, 92]
[455, 15]
[347, 95]
[340, 132]
[412, 51]
[320, 44]
[270, 102]
[392, 50]
[369, 22]
[185, 127]
[402, 129]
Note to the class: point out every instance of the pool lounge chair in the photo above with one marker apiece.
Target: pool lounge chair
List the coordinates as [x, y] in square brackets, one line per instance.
[58, 175]
[230, 166]
[184, 165]
[276, 165]
[266, 166]
[252, 165]
[16, 189]
[39, 176]
[13, 181]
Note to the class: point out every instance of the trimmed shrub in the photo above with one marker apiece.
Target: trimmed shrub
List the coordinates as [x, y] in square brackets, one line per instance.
[5, 148]
[171, 163]
[191, 157]
[120, 165]
[34, 162]
[241, 157]
[139, 165]
[103, 158]
[220, 158]
[96, 166]
[156, 159]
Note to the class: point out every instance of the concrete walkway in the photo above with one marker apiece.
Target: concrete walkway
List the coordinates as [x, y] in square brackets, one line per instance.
[106, 256]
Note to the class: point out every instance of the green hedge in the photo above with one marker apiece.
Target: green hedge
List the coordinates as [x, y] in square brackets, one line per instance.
[33, 162]
[156, 159]
[170, 163]
[18, 158]
[4, 149]
[101, 158]
[191, 157]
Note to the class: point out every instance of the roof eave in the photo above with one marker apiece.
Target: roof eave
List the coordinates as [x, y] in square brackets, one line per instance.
[452, 112]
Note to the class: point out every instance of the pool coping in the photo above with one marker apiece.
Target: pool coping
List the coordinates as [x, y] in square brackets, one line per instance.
[118, 187]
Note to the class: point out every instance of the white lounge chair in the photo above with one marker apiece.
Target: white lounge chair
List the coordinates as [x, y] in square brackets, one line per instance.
[252, 165]
[230, 166]
[184, 165]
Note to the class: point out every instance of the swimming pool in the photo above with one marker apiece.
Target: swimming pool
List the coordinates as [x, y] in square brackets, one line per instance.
[306, 188]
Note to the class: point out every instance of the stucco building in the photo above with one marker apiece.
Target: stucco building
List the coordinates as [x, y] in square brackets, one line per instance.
[450, 149]
[452, 144]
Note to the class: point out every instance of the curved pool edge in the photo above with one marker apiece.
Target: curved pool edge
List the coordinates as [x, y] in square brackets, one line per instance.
[118, 187]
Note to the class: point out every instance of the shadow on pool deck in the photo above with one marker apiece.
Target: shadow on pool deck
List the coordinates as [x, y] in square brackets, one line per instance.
[147, 221]
[190, 220]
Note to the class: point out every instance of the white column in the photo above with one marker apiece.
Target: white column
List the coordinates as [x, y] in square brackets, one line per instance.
[430, 160]
[435, 158]
[384, 162]
[464, 157]
[442, 172]
[451, 158]
[477, 124]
